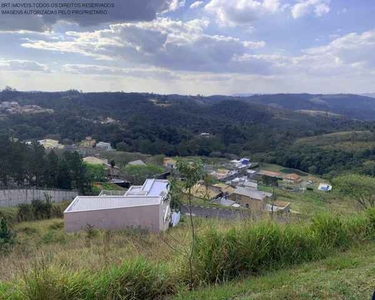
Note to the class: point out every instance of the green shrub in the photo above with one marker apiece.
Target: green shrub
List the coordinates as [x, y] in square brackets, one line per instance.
[7, 237]
[371, 220]
[53, 237]
[41, 209]
[56, 225]
[25, 212]
[9, 214]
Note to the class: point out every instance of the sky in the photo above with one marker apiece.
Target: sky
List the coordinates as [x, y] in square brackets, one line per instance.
[192, 47]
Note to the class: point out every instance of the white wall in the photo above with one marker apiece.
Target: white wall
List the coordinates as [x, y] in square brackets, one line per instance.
[13, 197]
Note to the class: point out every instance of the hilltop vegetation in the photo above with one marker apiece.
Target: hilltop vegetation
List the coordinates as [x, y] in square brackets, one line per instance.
[349, 105]
[172, 124]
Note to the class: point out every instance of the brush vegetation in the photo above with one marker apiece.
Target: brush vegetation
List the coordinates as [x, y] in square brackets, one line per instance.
[47, 263]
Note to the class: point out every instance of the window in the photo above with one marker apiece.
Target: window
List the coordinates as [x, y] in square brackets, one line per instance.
[247, 205]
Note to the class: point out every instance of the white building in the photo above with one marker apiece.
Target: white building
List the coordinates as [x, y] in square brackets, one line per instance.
[146, 207]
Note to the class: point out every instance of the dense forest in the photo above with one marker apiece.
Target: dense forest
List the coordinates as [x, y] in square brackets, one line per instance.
[257, 126]
[29, 165]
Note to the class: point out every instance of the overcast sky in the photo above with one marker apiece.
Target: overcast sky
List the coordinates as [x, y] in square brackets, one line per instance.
[190, 47]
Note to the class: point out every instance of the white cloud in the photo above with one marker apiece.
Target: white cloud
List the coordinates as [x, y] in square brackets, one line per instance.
[305, 7]
[241, 12]
[196, 4]
[84, 69]
[23, 65]
[351, 49]
[163, 43]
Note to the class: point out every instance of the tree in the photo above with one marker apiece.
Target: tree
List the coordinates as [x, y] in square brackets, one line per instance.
[138, 174]
[52, 172]
[193, 172]
[112, 163]
[208, 180]
[270, 181]
[95, 172]
[36, 164]
[7, 236]
[359, 187]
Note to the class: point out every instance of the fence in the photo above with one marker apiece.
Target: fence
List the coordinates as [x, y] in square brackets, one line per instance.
[13, 197]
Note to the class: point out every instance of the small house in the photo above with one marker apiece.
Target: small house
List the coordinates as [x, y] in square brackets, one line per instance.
[104, 146]
[169, 163]
[292, 178]
[112, 172]
[88, 142]
[270, 174]
[250, 185]
[325, 187]
[201, 191]
[248, 198]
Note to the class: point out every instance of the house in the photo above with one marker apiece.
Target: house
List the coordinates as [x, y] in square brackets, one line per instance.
[205, 134]
[255, 200]
[169, 163]
[250, 185]
[104, 146]
[88, 142]
[200, 191]
[224, 201]
[50, 144]
[92, 160]
[292, 178]
[112, 172]
[278, 206]
[225, 189]
[325, 187]
[136, 163]
[270, 174]
[146, 207]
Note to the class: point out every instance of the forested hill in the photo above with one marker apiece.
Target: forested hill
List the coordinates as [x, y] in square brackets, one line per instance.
[353, 106]
[164, 124]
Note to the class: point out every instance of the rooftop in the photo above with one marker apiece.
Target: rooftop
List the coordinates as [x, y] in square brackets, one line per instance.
[137, 163]
[270, 173]
[253, 194]
[87, 203]
[150, 188]
[292, 176]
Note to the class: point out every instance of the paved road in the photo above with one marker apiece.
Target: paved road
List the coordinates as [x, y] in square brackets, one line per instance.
[220, 213]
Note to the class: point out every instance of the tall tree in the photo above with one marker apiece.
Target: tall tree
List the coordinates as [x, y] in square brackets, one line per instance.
[193, 172]
[358, 187]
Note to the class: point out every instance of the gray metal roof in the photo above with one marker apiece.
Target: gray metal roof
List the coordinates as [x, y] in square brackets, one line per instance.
[83, 203]
[253, 194]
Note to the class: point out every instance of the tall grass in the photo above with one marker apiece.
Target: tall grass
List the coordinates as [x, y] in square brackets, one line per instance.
[139, 279]
[220, 255]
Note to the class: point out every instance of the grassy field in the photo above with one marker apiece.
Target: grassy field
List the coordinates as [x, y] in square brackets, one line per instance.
[345, 276]
[47, 263]
[310, 201]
